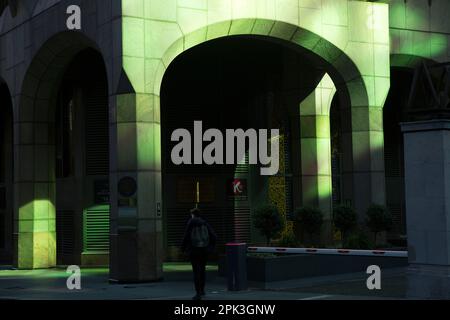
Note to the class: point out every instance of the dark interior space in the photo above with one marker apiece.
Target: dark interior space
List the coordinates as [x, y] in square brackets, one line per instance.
[82, 162]
[230, 83]
[6, 175]
[395, 112]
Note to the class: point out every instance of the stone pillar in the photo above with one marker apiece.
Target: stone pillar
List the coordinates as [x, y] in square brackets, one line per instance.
[136, 221]
[427, 183]
[316, 149]
[35, 194]
[362, 144]
[366, 167]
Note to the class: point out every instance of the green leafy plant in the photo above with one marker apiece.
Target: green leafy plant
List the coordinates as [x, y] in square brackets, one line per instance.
[268, 221]
[262, 255]
[379, 219]
[344, 219]
[358, 241]
[288, 240]
[310, 219]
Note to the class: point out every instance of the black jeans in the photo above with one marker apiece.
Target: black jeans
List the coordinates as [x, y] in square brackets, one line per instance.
[199, 257]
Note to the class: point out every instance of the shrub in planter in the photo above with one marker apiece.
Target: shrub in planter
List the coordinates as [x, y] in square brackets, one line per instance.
[379, 219]
[288, 240]
[268, 221]
[344, 219]
[310, 219]
[262, 255]
[358, 241]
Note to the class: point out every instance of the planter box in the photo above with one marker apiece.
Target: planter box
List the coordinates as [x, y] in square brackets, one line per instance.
[292, 267]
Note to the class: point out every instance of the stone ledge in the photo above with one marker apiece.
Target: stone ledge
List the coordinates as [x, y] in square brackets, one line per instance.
[429, 125]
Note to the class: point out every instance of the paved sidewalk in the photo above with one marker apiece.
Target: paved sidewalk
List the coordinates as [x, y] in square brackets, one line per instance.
[51, 284]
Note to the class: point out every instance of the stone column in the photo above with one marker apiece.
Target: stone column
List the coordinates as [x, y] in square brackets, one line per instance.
[427, 182]
[362, 142]
[316, 149]
[136, 221]
[366, 167]
[34, 189]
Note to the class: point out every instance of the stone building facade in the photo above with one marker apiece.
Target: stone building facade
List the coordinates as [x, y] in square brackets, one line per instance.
[83, 123]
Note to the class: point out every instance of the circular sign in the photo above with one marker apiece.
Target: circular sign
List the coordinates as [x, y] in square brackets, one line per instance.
[127, 187]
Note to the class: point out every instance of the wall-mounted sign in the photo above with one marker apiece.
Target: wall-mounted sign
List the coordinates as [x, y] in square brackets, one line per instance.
[127, 188]
[237, 189]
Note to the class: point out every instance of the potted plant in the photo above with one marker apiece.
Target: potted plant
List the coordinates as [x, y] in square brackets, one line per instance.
[288, 240]
[310, 220]
[358, 241]
[268, 221]
[344, 219]
[379, 219]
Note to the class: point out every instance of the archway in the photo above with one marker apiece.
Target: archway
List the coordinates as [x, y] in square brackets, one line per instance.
[82, 162]
[229, 83]
[364, 181]
[395, 112]
[337, 154]
[398, 110]
[362, 130]
[62, 168]
[6, 175]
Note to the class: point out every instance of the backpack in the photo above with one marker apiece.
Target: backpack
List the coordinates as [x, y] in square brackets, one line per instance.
[200, 236]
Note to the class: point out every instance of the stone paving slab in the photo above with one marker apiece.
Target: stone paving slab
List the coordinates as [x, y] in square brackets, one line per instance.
[51, 285]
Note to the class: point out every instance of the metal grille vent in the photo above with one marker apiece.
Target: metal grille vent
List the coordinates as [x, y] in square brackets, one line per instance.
[97, 130]
[242, 224]
[96, 230]
[243, 167]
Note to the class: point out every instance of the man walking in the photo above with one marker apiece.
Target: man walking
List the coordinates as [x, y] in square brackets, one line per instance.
[199, 240]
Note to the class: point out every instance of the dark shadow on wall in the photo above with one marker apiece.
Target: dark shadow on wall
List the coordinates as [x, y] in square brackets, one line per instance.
[395, 112]
[6, 175]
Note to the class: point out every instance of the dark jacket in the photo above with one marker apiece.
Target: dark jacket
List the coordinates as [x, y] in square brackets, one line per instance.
[186, 246]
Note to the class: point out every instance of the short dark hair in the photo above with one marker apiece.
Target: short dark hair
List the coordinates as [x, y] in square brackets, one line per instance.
[195, 212]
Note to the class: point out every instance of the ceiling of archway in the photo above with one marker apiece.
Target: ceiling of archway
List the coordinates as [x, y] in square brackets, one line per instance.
[3, 5]
[12, 5]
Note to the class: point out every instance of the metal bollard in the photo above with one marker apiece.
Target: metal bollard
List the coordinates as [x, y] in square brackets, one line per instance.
[237, 266]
